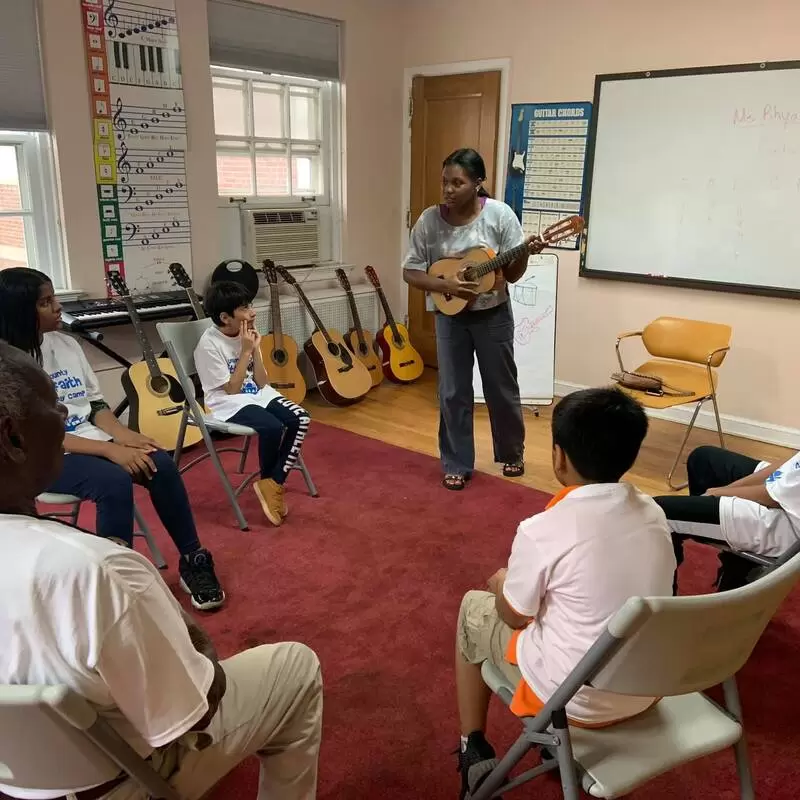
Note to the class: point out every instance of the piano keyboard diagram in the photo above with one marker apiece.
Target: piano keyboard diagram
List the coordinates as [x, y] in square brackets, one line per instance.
[139, 138]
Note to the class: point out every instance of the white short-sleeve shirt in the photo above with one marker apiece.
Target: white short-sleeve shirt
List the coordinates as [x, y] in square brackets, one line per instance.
[433, 238]
[75, 382]
[216, 357]
[81, 611]
[572, 567]
[747, 525]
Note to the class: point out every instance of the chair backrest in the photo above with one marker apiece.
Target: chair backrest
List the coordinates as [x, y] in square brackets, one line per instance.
[687, 340]
[51, 739]
[181, 339]
[677, 645]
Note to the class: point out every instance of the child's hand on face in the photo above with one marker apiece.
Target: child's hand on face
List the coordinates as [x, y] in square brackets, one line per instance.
[250, 338]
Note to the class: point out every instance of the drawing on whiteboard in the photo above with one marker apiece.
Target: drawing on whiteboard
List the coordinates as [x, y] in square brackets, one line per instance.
[525, 292]
[527, 327]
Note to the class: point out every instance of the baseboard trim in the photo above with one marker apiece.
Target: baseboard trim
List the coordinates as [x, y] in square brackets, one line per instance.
[736, 426]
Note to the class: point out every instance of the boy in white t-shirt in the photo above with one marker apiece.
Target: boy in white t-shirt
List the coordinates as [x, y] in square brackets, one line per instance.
[599, 542]
[236, 389]
[751, 505]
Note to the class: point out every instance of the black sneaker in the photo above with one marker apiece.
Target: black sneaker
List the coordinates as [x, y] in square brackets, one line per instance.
[475, 763]
[199, 580]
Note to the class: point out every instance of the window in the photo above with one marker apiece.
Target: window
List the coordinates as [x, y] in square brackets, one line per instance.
[29, 233]
[274, 136]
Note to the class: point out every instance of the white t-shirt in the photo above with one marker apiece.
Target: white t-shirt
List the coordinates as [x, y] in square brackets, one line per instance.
[433, 238]
[747, 525]
[572, 568]
[76, 384]
[81, 611]
[216, 357]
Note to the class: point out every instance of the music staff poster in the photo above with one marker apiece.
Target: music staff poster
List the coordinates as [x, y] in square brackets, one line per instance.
[533, 301]
[139, 128]
[546, 164]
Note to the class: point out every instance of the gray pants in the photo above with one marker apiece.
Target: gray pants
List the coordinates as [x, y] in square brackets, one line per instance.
[488, 334]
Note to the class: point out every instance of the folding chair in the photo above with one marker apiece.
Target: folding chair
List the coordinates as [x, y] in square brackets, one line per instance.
[669, 647]
[51, 739]
[767, 563]
[687, 353]
[141, 528]
[180, 340]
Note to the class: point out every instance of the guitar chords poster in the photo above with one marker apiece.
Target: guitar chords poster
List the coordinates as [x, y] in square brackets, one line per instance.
[139, 131]
[533, 301]
[546, 164]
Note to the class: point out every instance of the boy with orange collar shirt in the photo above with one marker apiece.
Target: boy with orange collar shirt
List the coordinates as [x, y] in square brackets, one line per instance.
[598, 542]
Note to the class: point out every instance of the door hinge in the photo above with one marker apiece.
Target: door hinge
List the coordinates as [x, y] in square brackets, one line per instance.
[410, 107]
[408, 218]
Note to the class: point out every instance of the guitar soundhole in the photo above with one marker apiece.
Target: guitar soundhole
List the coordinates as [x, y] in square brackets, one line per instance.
[363, 349]
[279, 357]
[333, 349]
[398, 341]
[159, 385]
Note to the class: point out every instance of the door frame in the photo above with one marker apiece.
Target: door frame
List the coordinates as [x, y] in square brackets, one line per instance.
[501, 65]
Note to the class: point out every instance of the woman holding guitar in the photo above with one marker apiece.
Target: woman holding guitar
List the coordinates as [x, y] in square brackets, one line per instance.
[103, 457]
[469, 218]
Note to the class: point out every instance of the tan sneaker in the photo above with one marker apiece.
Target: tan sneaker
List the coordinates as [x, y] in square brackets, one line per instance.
[270, 495]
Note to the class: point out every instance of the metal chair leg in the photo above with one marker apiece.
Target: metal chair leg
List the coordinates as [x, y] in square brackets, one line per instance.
[301, 465]
[226, 484]
[497, 777]
[719, 424]
[677, 487]
[144, 531]
[176, 456]
[734, 707]
[74, 513]
[566, 763]
[245, 451]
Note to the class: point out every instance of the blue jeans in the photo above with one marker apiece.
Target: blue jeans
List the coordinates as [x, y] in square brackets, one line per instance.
[281, 427]
[110, 488]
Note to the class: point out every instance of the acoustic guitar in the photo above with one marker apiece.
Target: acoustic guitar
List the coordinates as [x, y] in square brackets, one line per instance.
[361, 342]
[279, 350]
[481, 265]
[401, 362]
[341, 379]
[182, 279]
[154, 393]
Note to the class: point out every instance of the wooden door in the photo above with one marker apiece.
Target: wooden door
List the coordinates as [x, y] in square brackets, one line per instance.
[448, 112]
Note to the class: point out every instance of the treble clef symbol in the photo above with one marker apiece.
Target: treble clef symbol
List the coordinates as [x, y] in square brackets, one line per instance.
[112, 20]
[123, 165]
[120, 123]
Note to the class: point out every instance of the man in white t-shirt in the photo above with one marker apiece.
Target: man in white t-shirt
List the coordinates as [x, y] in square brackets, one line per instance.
[236, 389]
[572, 567]
[81, 611]
[750, 505]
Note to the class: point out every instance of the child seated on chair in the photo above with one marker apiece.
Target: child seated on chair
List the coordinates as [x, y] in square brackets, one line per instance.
[749, 505]
[599, 542]
[237, 390]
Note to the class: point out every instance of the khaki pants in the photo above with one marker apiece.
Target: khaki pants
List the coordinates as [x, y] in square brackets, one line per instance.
[272, 708]
[483, 636]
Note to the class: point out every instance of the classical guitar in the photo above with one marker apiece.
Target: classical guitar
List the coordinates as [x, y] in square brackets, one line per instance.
[401, 362]
[279, 350]
[341, 379]
[181, 277]
[481, 265]
[155, 396]
[361, 343]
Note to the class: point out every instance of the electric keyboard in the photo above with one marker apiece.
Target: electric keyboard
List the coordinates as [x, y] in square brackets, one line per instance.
[82, 315]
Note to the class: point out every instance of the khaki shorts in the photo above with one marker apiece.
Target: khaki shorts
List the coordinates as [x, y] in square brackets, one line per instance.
[482, 636]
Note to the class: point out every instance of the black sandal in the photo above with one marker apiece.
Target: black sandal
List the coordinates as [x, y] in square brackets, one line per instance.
[455, 483]
[515, 470]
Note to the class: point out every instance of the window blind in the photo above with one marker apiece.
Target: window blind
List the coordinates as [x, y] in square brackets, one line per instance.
[249, 35]
[21, 87]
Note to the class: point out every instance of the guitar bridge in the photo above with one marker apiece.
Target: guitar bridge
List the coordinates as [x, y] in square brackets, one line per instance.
[282, 385]
[407, 363]
[168, 412]
[344, 369]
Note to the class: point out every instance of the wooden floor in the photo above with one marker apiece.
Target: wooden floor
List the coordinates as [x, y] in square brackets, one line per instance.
[408, 416]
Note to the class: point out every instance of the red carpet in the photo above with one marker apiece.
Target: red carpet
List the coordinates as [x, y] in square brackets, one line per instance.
[370, 575]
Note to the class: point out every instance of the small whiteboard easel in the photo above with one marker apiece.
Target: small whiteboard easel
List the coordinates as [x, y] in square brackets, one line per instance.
[533, 301]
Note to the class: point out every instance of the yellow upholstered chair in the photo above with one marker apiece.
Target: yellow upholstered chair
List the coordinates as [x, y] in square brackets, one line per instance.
[685, 354]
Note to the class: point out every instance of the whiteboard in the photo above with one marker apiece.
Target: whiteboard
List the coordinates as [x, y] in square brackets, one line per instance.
[533, 302]
[694, 179]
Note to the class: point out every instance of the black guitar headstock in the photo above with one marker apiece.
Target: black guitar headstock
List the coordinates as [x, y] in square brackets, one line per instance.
[286, 275]
[341, 275]
[270, 272]
[180, 275]
[373, 277]
[117, 283]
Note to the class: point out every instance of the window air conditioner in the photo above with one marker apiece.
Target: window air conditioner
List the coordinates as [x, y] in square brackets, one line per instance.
[291, 237]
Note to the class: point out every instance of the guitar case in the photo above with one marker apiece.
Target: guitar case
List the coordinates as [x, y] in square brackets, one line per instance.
[238, 271]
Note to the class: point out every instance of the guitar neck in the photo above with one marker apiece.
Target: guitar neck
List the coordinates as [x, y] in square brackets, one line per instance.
[147, 350]
[312, 313]
[277, 323]
[479, 270]
[388, 311]
[356, 318]
[197, 306]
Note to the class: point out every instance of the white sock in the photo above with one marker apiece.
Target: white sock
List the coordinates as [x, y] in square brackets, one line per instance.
[463, 744]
